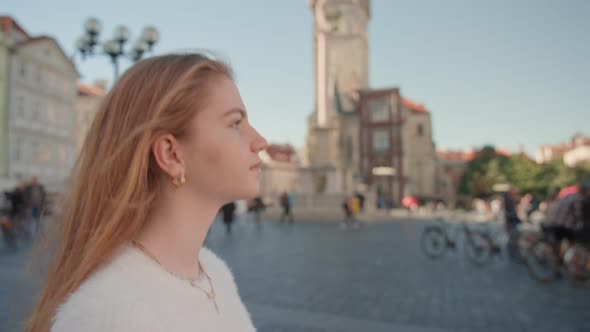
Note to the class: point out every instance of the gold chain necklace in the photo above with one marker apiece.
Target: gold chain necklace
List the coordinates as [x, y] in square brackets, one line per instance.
[192, 281]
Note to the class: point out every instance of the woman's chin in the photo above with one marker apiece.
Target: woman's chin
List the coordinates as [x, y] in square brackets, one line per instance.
[254, 192]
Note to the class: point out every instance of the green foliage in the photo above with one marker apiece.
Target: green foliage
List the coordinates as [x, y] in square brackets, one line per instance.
[490, 168]
[487, 169]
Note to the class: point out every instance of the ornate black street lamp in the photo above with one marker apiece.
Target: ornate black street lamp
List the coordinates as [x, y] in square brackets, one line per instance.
[115, 47]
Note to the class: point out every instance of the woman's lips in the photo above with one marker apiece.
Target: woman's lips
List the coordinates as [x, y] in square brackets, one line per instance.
[256, 166]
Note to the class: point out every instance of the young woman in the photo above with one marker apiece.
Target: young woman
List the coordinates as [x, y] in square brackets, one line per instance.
[169, 146]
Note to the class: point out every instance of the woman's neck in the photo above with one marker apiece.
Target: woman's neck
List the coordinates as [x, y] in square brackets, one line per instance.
[176, 230]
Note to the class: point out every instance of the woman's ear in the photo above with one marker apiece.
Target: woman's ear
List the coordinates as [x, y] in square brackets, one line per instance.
[168, 155]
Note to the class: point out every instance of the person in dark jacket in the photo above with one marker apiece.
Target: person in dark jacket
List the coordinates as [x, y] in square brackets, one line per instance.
[511, 199]
[17, 211]
[35, 201]
[257, 206]
[228, 212]
[286, 204]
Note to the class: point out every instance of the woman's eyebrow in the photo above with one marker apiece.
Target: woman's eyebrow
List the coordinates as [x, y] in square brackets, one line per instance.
[235, 110]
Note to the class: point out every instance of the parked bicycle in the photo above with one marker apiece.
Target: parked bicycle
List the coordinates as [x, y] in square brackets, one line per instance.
[520, 242]
[549, 257]
[437, 239]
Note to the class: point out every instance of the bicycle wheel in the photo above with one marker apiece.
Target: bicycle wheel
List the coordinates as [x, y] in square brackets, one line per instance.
[478, 248]
[514, 250]
[542, 261]
[574, 262]
[433, 241]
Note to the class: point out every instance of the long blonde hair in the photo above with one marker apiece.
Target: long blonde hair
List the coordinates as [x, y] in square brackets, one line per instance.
[116, 180]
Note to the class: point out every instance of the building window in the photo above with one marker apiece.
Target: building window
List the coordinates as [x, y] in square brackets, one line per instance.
[40, 76]
[58, 118]
[50, 115]
[35, 150]
[343, 26]
[379, 109]
[36, 111]
[381, 140]
[66, 90]
[37, 73]
[52, 79]
[43, 113]
[56, 83]
[420, 177]
[20, 107]
[23, 69]
[420, 130]
[62, 155]
[17, 150]
[44, 154]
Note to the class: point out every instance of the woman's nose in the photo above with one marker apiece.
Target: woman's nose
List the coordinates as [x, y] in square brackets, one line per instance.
[259, 142]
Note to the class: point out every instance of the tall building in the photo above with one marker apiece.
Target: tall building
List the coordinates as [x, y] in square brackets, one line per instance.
[575, 151]
[346, 150]
[580, 151]
[37, 114]
[397, 156]
[87, 104]
[341, 70]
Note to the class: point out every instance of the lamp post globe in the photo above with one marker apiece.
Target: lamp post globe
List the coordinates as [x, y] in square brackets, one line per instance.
[115, 47]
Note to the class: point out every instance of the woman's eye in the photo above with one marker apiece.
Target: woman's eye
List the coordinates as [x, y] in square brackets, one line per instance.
[236, 124]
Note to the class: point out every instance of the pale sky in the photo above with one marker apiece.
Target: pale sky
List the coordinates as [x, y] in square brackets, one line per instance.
[508, 73]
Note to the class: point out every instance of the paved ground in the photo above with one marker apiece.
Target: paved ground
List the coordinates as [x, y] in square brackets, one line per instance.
[316, 277]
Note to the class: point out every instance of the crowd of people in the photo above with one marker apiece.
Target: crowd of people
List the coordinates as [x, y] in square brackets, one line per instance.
[256, 207]
[23, 207]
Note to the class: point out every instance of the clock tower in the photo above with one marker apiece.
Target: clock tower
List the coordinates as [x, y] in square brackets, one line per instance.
[341, 69]
[341, 53]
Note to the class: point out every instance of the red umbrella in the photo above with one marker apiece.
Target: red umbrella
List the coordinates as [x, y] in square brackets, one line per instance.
[567, 191]
[409, 201]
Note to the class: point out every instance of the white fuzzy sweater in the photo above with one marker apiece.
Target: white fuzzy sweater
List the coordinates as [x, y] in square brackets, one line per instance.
[132, 293]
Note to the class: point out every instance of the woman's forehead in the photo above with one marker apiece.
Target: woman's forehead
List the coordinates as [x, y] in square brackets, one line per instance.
[224, 98]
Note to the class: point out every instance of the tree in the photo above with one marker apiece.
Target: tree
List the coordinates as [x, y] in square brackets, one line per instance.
[527, 175]
[483, 172]
[489, 168]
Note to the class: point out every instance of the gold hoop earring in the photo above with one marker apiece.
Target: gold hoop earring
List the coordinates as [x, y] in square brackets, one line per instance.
[179, 181]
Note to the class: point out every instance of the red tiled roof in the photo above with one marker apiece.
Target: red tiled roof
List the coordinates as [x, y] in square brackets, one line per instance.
[420, 108]
[561, 149]
[34, 40]
[7, 24]
[503, 152]
[90, 90]
[467, 155]
[277, 152]
[456, 155]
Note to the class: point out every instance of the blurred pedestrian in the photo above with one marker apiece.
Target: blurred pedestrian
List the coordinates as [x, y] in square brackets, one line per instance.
[355, 209]
[347, 221]
[228, 213]
[286, 200]
[18, 210]
[511, 199]
[35, 197]
[361, 199]
[257, 206]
